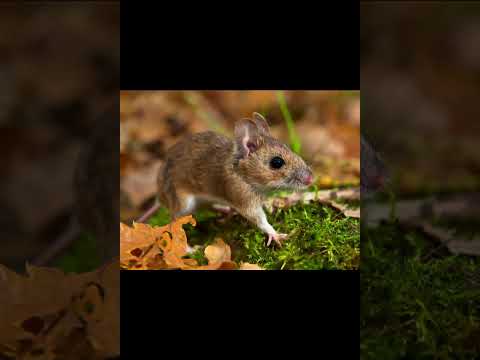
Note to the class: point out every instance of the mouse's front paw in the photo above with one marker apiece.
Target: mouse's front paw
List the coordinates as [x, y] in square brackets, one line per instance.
[277, 238]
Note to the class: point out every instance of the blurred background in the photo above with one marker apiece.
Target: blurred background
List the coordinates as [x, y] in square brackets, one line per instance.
[59, 71]
[420, 71]
[327, 132]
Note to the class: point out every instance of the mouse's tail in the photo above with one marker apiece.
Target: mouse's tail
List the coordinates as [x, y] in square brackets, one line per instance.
[148, 214]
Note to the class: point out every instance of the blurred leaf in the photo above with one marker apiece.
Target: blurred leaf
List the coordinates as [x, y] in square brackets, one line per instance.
[48, 312]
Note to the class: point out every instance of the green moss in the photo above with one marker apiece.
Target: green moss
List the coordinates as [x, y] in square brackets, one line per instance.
[416, 304]
[320, 237]
[161, 217]
[82, 256]
[198, 255]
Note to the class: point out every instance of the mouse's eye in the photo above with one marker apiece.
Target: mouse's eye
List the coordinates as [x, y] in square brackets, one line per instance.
[277, 162]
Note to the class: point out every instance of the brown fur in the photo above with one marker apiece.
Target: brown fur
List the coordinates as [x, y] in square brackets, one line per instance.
[236, 172]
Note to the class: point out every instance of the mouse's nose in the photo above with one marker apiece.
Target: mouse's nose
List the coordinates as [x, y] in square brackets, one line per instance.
[306, 177]
[308, 180]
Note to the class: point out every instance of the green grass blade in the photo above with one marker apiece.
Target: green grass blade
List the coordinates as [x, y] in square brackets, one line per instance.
[295, 143]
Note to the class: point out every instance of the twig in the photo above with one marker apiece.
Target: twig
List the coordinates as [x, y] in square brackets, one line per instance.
[60, 244]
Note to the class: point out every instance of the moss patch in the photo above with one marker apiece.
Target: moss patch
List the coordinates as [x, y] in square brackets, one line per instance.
[415, 303]
[320, 237]
[82, 256]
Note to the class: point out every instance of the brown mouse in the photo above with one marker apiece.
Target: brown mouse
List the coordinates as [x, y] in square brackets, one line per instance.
[209, 167]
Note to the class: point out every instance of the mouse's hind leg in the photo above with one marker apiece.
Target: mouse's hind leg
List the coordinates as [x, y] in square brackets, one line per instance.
[179, 201]
[185, 204]
[226, 211]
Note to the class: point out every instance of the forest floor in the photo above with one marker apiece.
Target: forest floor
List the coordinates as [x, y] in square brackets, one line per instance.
[326, 133]
[320, 237]
[421, 290]
[418, 299]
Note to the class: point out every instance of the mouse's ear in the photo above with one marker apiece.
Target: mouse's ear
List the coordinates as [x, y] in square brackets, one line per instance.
[247, 137]
[261, 123]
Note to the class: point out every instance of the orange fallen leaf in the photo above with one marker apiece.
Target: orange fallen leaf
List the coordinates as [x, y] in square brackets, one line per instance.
[138, 184]
[190, 262]
[145, 247]
[66, 315]
[219, 257]
[228, 265]
[218, 252]
[248, 266]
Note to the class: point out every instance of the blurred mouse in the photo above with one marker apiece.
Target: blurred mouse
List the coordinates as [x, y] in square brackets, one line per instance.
[374, 175]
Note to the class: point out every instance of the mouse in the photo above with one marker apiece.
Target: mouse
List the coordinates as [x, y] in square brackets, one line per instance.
[236, 173]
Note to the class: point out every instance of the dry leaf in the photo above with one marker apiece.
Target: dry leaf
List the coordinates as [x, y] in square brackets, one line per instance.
[134, 244]
[328, 197]
[218, 252]
[454, 243]
[89, 305]
[228, 265]
[81, 320]
[464, 205]
[248, 266]
[104, 335]
[346, 210]
[145, 247]
[218, 255]
[140, 184]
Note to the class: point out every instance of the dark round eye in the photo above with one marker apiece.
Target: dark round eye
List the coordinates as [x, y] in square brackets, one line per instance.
[277, 162]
